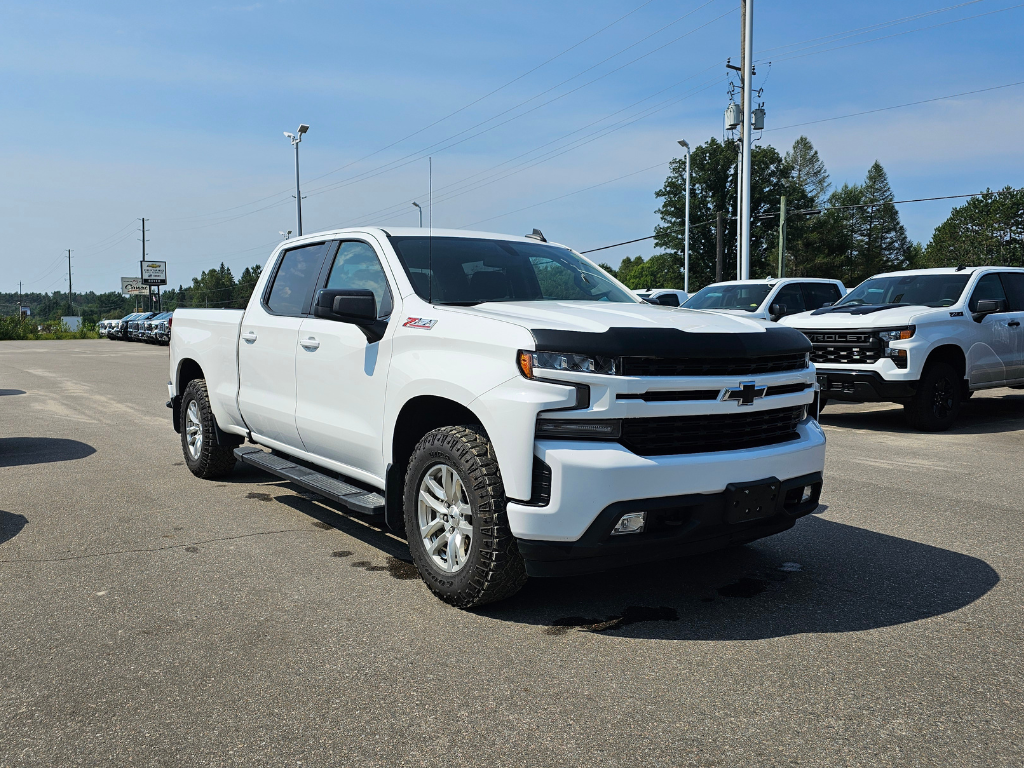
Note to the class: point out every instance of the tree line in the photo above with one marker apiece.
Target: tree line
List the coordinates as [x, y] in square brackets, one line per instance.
[847, 233]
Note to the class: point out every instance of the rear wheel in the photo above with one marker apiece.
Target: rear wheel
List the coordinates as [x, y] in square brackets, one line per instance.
[203, 456]
[938, 399]
[456, 522]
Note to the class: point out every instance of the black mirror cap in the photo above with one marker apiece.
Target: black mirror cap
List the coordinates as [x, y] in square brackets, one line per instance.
[777, 310]
[356, 306]
[988, 307]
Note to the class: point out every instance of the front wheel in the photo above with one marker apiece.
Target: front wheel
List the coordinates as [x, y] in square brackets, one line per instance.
[455, 519]
[938, 399]
[203, 456]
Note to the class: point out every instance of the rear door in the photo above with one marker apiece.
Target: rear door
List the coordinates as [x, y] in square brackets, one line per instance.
[817, 295]
[269, 338]
[340, 377]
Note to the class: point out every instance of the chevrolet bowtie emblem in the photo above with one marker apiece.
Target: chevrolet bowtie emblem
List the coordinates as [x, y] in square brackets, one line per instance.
[746, 393]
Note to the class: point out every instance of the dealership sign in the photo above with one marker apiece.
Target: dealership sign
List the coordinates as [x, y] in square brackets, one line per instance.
[133, 286]
[154, 272]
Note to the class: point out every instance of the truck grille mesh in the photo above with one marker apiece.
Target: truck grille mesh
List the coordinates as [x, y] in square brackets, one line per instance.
[668, 366]
[675, 435]
[844, 347]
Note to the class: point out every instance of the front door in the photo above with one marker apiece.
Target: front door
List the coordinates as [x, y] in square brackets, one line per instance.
[269, 338]
[992, 355]
[341, 377]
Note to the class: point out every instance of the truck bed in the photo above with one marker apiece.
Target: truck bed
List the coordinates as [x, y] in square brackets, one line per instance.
[210, 337]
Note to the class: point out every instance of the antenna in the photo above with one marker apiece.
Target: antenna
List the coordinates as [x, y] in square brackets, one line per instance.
[430, 230]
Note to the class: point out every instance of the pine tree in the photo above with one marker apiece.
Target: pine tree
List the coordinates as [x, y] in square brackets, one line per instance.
[809, 170]
[885, 244]
[986, 230]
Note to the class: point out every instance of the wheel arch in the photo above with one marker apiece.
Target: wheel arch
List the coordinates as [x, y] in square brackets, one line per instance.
[952, 354]
[418, 416]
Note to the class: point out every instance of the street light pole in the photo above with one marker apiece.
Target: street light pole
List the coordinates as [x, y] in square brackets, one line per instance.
[420, 209]
[296, 140]
[748, 60]
[686, 247]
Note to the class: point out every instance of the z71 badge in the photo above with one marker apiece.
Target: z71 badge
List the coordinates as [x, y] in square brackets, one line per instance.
[956, 314]
[419, 322]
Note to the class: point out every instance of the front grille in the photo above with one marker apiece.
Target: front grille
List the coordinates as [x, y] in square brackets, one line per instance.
[844, 347]
[669, 366]
[703, 434]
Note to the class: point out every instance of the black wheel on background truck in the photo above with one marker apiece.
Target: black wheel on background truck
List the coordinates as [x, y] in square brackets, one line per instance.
[455, 519]
[938, 399]
[203, 456]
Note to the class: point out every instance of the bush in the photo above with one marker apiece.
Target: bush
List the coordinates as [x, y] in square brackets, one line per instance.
[14, 328]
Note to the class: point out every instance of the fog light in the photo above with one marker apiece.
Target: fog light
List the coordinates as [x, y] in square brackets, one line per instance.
[631, 522]
[808, 492]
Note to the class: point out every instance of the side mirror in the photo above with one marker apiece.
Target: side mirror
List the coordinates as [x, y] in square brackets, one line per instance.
[355, 306]
[988, 307]
[827, 304]
[777, 310]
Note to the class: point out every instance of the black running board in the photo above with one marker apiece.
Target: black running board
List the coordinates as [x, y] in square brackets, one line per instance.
[356, 499]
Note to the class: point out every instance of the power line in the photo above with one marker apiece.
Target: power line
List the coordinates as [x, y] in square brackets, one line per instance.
[897, 106]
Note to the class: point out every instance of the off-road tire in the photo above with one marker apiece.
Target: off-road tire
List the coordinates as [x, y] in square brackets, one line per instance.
[494, 569]
[213, 460]
[938, 399]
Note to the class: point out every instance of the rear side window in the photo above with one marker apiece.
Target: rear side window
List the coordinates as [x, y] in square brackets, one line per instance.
[791, 297]
[817, 295]
[989, 288]
[1013, 285]
[668, 300]
[295, 278]
[357, 266]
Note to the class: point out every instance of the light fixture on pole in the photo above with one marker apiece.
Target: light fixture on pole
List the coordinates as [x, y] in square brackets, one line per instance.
[686, 247]
[296, 139]
[420, 209]
[285, 235]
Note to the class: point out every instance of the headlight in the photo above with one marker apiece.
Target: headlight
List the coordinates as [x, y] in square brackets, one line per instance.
[531, 363]
[896, 334]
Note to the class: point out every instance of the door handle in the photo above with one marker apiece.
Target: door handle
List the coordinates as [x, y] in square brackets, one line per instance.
[249, 336]
[1013, 323]
[309, 343]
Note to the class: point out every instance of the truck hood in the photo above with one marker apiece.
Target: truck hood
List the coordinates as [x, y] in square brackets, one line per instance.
[598, 317]
[644, 330]
[885, 318]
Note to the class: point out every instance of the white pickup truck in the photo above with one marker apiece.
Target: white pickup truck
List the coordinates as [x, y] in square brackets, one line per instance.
[926, 338]
[502, 402]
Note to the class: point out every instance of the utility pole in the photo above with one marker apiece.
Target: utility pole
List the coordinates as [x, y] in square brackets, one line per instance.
[296, 139]
[782, 236]
[740, 143]
[19, 301]
[720, 252]
[71, 307]
[747, 63]
[141, 266]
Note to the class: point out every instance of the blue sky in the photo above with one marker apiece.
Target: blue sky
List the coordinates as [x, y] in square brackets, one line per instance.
[175, 112]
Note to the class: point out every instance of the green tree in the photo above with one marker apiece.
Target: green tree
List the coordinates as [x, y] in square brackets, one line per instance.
[809, 170]
[986, 230]
[214, 288]
[246, 285]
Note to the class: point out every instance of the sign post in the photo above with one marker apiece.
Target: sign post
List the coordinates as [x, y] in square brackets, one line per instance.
[133, 286]
[153, 273]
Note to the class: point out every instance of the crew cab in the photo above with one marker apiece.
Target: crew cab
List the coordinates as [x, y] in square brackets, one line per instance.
[502, 402]
[768, 299]
[925, 338]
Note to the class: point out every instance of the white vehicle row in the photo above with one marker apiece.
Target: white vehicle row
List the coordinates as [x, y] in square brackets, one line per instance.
[150, 327]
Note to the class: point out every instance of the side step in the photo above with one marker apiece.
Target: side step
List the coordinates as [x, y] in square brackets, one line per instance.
[356, 499]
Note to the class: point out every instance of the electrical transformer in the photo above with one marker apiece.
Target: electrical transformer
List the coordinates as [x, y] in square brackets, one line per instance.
[758, 119]
[733, 116]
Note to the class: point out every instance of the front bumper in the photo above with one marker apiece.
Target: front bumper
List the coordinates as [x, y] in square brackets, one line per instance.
[676, 526]
[588, 479]
[863, 387]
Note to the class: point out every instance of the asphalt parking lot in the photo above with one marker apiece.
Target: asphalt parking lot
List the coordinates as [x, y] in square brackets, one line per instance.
[153, 619]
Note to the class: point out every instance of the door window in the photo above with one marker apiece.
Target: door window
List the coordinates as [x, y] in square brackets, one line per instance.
[1013, 285]
[989, 288]
[792, 297]
[357, 266]
[817, 295]
[296, 276]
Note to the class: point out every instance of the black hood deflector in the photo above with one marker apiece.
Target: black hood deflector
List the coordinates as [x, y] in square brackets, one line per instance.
[673, 343]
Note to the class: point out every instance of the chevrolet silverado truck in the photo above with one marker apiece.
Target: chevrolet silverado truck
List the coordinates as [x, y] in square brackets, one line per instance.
[925, 338]
[502, 402]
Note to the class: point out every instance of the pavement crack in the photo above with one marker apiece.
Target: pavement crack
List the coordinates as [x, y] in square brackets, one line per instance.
[152, 549]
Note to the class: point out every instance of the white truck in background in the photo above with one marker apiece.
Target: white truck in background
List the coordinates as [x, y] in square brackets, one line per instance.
[503, 403]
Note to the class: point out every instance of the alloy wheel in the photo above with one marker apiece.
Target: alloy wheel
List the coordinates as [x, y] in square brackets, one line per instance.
[193, 431]
[445, 518]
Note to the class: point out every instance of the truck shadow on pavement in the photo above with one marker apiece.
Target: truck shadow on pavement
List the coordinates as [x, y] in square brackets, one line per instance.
[5, 392]
[820, 577]
[979, 416]
[17, 451]
[10, 525]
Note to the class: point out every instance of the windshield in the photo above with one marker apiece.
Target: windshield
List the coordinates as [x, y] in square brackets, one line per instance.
[745, 297]
[465, 271]
[920, 290]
